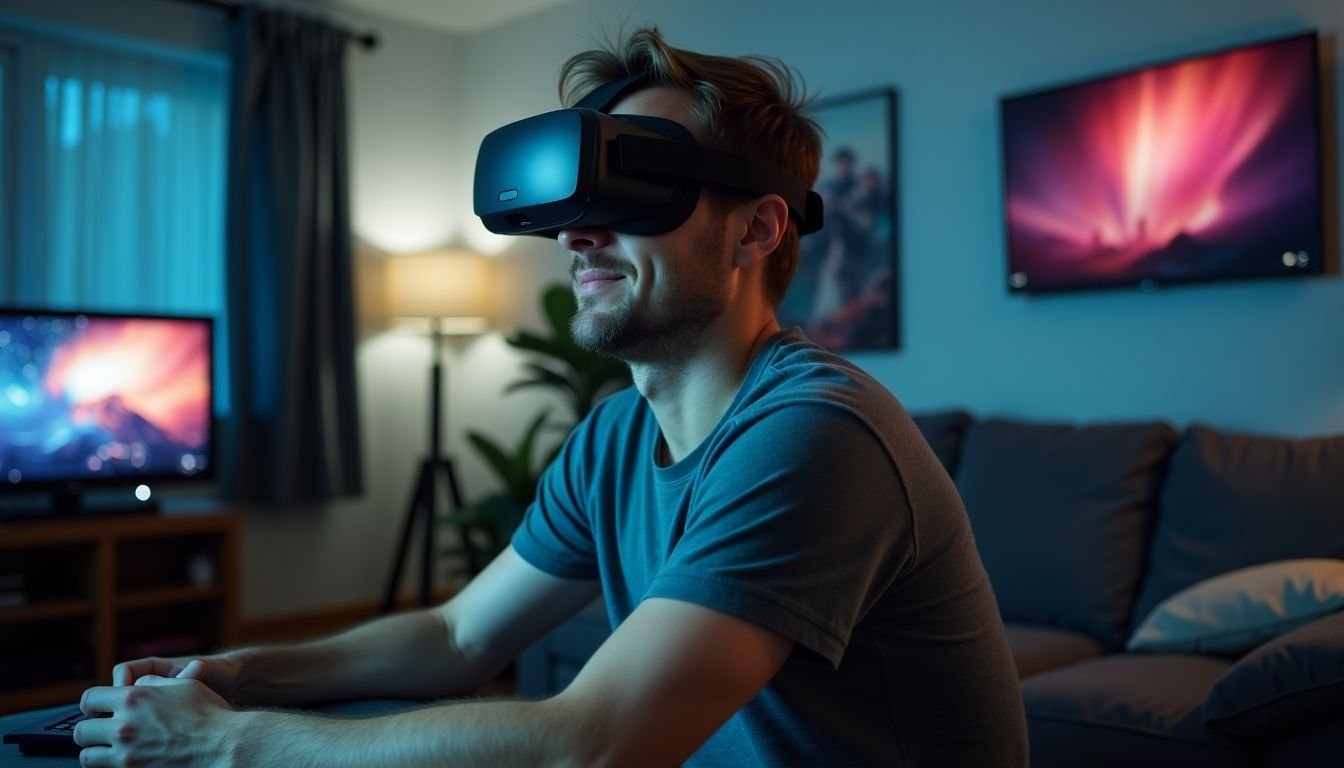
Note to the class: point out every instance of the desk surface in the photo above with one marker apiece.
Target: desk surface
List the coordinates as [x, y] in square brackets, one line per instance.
[10, 757]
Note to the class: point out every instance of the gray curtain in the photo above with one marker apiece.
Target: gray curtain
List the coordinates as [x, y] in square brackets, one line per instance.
[292, 435]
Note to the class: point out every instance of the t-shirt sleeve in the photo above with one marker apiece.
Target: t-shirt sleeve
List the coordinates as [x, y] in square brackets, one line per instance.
[799, 524]
[556, 535]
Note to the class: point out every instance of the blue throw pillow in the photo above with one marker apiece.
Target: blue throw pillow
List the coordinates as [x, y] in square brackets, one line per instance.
[1235, 612]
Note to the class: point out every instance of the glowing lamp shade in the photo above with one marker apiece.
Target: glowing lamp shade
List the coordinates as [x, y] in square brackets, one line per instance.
[449, 288]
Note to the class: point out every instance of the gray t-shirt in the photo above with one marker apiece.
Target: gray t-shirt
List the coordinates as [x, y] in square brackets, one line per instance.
[816, 509]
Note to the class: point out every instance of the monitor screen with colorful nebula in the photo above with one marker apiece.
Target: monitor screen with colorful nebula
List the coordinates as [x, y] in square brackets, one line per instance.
[1204, 168]
[92, 399]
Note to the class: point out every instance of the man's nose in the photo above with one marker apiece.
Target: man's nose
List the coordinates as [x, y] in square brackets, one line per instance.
[585, 239]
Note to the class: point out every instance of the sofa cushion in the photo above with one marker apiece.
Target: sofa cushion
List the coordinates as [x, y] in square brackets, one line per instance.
[1232, 501]
[943, 431]
[1235, 612]
[1041, 649]
[1062, 517]
[1289, 684]
[1127, 710]
[1317, 747]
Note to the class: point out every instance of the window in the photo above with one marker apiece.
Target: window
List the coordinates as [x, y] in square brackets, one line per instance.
[120, 152]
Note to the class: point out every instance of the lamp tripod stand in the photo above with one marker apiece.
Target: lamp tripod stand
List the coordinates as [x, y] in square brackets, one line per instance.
[423, 508]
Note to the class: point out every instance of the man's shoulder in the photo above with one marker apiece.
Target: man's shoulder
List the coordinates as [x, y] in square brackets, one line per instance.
[799, 371]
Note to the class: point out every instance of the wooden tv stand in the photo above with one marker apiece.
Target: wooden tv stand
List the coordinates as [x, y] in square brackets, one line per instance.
[79, 594]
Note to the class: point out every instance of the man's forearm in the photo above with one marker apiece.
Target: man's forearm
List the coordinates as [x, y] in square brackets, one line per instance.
[409, 655]
[496, 733]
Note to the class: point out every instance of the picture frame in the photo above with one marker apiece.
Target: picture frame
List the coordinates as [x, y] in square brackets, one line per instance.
[845, 292]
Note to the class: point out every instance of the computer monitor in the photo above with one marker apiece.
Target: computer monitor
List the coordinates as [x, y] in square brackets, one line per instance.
[92, 400]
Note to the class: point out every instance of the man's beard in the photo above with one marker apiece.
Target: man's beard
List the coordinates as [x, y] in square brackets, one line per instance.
[667, 330]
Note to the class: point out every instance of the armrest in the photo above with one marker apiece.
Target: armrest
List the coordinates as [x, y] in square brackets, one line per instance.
[1293, 682]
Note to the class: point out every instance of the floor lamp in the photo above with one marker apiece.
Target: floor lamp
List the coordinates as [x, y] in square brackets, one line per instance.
[448, 293]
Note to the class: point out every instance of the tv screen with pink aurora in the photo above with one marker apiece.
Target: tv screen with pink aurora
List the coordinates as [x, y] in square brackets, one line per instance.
[99, 399]
[1200, 169]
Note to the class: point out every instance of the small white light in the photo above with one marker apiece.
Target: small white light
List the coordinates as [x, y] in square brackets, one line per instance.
[188, 463]
[142, 492]
[1302, 258]
[1289, 259]
[1018, 280]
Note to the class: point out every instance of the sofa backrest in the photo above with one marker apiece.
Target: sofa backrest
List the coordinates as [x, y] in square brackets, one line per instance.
[1062, 517]
[1232, 501]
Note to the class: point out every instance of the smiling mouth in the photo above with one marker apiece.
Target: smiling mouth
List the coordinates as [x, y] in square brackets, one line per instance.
[595, 277]
[595, 284]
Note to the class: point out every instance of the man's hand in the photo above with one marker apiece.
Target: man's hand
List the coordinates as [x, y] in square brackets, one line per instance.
[157, 721]
[219, 674]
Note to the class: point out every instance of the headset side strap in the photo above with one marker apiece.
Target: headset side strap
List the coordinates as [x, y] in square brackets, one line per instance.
[661, 157]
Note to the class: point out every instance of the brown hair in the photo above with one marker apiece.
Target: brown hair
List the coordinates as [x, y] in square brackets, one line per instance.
[749, 105]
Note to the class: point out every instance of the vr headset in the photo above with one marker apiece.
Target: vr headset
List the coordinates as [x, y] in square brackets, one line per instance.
[634, 174]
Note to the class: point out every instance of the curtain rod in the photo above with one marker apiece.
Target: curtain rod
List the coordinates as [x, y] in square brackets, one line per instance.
[368, 40]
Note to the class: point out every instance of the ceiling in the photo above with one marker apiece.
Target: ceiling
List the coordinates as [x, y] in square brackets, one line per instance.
[458, 16]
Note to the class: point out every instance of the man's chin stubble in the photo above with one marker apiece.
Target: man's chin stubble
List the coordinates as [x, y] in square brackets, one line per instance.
[618, 339]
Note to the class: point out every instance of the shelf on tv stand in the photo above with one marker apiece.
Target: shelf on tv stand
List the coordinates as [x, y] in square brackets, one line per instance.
[46, 611]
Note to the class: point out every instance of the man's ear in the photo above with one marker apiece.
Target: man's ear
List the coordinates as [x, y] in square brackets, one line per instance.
[767, 218]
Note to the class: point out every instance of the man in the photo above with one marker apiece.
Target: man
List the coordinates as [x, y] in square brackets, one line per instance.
[792, 571]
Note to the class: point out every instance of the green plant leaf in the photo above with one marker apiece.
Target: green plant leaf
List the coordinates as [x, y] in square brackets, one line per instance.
[544, 376]
[527, 384]
[527, 485]
[494, 456]
[559, 304]
[561, 350]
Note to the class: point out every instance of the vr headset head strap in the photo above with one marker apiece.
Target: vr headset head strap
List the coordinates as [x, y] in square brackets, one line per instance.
[642, 155]
[602, 97]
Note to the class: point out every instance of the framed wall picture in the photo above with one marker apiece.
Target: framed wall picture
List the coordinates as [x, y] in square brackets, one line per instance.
[845, 293]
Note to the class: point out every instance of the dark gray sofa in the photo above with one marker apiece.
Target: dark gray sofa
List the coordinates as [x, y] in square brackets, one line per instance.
[1084, 530]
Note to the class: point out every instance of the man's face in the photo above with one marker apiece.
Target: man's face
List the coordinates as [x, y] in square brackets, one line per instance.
[648, 299]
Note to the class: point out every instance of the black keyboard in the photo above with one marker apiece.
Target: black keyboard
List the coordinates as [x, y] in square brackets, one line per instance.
[67, 723]
[54, 734]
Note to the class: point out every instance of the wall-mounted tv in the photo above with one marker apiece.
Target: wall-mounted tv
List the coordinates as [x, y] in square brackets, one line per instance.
[1204, 168]
[92, 399]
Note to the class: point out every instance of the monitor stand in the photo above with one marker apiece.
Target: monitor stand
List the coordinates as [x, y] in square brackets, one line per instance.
[72, 501]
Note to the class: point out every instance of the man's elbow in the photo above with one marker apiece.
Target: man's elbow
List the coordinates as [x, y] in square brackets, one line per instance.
[586, 734]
